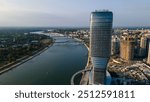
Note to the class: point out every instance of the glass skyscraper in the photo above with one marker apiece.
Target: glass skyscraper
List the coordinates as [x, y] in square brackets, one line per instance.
[100, 43]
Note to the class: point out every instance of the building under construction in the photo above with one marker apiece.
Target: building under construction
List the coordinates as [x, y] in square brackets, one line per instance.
[127, 45]
[143, 43]
[148, 58]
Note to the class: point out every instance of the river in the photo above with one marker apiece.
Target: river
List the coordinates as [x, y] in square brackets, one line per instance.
[55, 66]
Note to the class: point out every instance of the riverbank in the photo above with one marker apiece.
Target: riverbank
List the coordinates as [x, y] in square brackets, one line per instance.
[55, 66]
[22, 60]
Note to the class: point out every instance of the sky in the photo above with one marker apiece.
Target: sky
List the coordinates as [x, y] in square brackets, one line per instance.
[72, 13]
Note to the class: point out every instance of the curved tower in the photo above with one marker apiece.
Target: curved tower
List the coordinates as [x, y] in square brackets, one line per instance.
[100, 43]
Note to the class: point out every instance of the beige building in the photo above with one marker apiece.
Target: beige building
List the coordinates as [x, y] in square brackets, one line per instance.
[143, 42]
[127, 45]
[148, 59]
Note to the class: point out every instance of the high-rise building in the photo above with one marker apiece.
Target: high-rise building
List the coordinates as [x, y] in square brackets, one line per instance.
[100, 43]
[114, 45]
[147, 45]
[148, 59]
[127, 45]
[143, 46]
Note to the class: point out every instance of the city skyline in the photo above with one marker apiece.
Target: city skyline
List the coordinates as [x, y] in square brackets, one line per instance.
[72, 13]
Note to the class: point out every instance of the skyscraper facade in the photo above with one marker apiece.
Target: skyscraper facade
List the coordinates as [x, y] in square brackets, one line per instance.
[100, 43]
